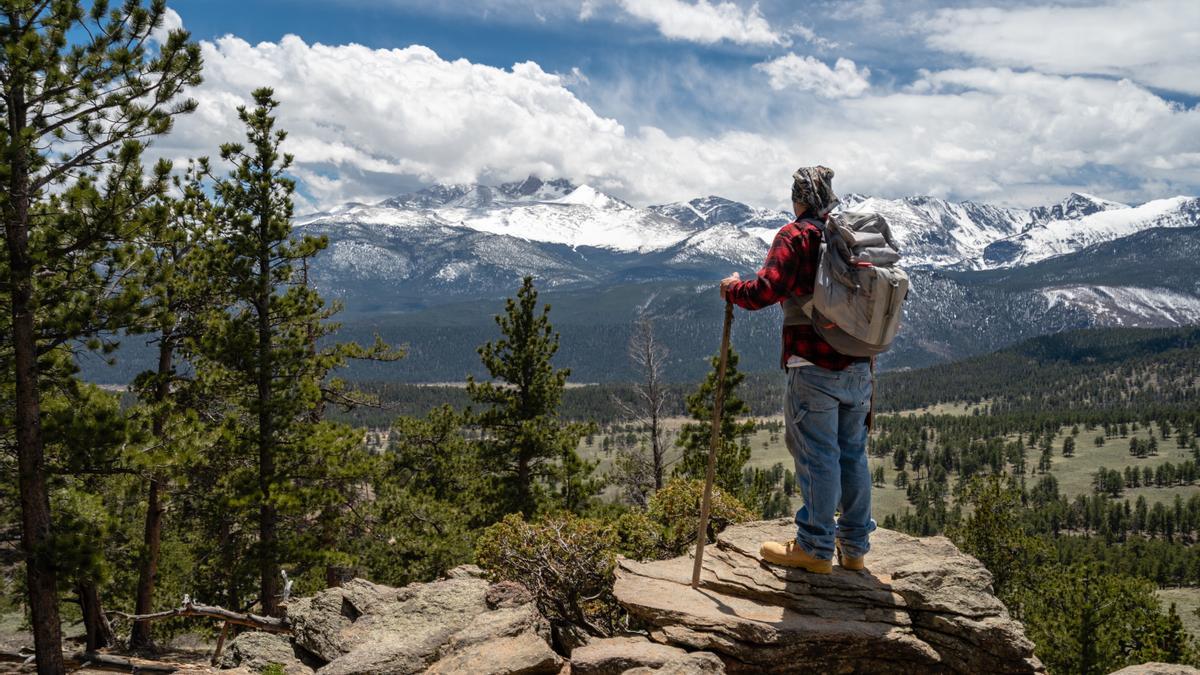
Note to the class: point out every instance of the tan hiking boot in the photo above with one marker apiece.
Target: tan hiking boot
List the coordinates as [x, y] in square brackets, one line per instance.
[789, 554]
[849, 562]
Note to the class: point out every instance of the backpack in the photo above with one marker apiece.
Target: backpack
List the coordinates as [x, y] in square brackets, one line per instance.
[859, 290]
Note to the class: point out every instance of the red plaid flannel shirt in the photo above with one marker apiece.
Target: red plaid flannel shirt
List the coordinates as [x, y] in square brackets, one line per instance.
[791, 269]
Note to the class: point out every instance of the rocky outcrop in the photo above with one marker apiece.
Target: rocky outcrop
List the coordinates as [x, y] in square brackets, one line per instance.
[461, 624]
[921, 606]
[255, 651]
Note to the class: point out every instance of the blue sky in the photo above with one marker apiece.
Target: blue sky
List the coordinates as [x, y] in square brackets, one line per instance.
[659, 100]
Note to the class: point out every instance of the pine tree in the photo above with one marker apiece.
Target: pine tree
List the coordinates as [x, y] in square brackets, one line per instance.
[1086, 621]
[531, 453]
[733, 447]
[429, 501]
[995, 535]
[177, 296]
[260, 352]
[80, 90]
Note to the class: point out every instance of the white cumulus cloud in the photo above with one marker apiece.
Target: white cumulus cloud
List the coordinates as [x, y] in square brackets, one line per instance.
[703, 21]
[1154, 42]
[171, 21]
[810, 74]
[365, 124]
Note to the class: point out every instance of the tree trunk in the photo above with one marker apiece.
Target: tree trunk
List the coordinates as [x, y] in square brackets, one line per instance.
[95, 624]
[139, 637]
[267, 516]
[40, 576]
[524, 486]
[657, 451]
[233, 592]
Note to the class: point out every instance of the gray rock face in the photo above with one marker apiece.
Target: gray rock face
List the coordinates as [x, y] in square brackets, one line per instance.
[255, 651]
[921, 606]
[615, 656]
[456, 625]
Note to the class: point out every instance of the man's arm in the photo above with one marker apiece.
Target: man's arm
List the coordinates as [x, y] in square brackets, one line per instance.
[774, 281]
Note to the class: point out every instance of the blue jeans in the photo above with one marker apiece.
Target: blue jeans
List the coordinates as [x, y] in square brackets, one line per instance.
[825, 419]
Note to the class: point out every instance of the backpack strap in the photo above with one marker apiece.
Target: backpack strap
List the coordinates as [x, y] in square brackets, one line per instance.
[797, 309]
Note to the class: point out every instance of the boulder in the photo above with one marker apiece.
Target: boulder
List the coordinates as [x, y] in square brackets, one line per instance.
[254, 651]
[614, 656]
[1157, 669]
[921, 606]
[458, 624]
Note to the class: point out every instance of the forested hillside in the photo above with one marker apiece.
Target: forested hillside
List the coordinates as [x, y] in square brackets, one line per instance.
[1092, 370]
[1085, 371]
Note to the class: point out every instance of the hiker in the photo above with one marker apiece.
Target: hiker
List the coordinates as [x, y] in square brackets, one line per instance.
[828, 396]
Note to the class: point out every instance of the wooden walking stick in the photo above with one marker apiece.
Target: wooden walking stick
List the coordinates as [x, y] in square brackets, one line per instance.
[714, 441]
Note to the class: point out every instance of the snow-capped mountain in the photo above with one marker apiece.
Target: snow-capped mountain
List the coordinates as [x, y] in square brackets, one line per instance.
[1082, 221]
[935, 233]
[938, 234]
[532, 224]
[982, 274]
[705, 212]
[554, 212]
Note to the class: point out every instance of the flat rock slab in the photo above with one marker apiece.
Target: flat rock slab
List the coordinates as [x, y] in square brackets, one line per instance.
[921, 606]
[618, 655]
[1157, 669]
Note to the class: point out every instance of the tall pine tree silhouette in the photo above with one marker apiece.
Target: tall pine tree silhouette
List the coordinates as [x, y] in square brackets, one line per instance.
[733, 450]
[260, 351]
[530, 452]
[81, 89]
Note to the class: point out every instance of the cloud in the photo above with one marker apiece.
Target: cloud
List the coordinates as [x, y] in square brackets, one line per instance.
[1154, 42]
[809, 74]
[385, 113]
[810, 36]
[703, 22]
[171, 21]
[366, 123]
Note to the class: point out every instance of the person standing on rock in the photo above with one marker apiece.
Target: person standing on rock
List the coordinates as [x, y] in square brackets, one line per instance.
[828, 397]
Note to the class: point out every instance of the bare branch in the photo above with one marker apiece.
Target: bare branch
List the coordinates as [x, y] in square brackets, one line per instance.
[190, 609]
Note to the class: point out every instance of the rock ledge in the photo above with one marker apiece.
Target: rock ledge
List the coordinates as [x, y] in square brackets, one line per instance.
[921, 606]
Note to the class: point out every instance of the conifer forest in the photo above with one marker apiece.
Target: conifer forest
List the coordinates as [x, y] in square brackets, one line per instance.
[241, 467]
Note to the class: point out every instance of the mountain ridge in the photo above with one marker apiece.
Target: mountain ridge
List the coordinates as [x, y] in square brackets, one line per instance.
[935, 233]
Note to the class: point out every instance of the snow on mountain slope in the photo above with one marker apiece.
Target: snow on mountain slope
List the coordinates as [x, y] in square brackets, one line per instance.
[1129, 306]
[720, 244]
[567, 233]
[1075, 206]
[935, 233]
[708, 211]
[584, 217]
[554, 212]
[1064, 233]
